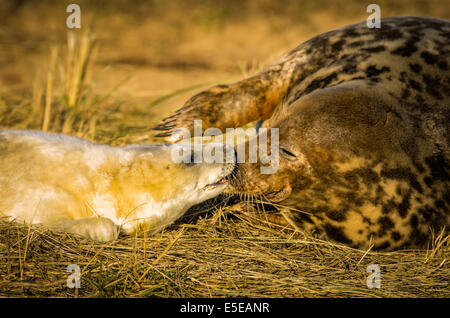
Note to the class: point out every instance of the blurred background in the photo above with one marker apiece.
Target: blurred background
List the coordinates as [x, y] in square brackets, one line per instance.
[145, 58]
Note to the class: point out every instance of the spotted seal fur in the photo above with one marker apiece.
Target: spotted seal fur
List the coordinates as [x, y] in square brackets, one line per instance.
[363, 118]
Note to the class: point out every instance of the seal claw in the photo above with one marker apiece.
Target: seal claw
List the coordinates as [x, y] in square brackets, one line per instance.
[165, 134]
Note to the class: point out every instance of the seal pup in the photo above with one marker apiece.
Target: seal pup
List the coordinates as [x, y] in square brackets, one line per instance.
[95, 190]
[363, 119]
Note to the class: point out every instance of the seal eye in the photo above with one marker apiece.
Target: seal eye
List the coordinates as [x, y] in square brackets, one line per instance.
[287, 154]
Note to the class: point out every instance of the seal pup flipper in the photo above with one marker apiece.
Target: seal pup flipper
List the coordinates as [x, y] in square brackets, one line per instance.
[96, 228]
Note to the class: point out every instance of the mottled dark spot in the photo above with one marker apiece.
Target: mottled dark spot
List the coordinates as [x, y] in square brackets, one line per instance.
[388, 206]
[440, 204]
[357, 78]
[405, 205]
[405, 93]
[433, 85]
[443, 65]
[420, 99]
[419, 238]
[414, 221]
[419, 167]
[366, 220]
[385, 224]
[319, 43]
[337, 46]
[350, 32]
[386, 33]
[336, 233]
[439, 167]
[428, 181]
[320, 83]
[409, 146]
[415, 85]
[408, 48]
[375, 49]
[372, 70]
[349, 68]
[408, 22]
[416, 68]
[382, 246]
[356, 43]
[336, 215]
[396, 236]
[426, 213]
[402, 77]
[429, 58]
[402, 174]
[351, 196]
[415, 184]
[367, 175]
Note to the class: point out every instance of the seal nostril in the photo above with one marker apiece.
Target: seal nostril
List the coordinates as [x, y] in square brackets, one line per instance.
[223, 180]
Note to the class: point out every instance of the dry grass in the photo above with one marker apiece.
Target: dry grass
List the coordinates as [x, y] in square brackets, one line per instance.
[224, 251]
[229, 254]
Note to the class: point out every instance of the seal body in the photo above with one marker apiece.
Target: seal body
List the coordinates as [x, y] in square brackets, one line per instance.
[363, 119]
[95, 190]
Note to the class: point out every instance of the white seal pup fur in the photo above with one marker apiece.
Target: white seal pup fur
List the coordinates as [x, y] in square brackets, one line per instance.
[94, 190]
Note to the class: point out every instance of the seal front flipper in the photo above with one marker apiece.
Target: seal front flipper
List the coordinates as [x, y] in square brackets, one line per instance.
[96, 228]
[227, 106]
